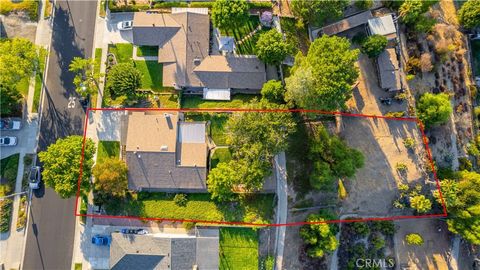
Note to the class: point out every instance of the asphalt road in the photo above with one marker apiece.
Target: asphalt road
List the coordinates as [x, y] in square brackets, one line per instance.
[51, 225]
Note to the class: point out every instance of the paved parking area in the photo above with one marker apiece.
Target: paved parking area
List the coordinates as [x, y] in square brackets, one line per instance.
[105, 125]
[26, 136]
[111, 34]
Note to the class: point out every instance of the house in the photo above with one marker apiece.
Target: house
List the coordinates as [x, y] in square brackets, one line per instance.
[183, 40]
[388, 70]
[383, 26]
[165, 153]
[165, 251]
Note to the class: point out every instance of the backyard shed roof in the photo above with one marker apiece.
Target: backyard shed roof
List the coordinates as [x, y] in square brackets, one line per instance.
[216, 94]
[347, 23]
[383, 26]
[388, 68]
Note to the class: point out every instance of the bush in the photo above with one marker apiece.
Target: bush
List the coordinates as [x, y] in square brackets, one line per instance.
[127, 8]
[387, 227]
[413, 65]
[364, 4]
[273, 91]
[180, 199]
[374, 45]
[401, 167]
[260, 5]
[123, 80]
[420, 203]
[377, 241]
[434, 109]
[409, 143]
[170, 4]
[469, 14]
[342, 192]
[201, 4]
[360, 228]
[425, 24]
[465, 164]
[6, 206]
[414, 239]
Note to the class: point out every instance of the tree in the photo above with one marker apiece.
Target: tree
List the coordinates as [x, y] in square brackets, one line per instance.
[9, 100]
[227, 14]
[111, 177]
[434, 109]
[420, 203]
[271, 48]
[61, 165]
[414, 239]
[317, 12]
[364, 4]
[323, 78]
[273, 91]
[123, 79]
[374, 45]
[18, 60]
[320, 238]
[411, 10]
[85, 80]
[462, 199]
[333, 159]
[469, 14]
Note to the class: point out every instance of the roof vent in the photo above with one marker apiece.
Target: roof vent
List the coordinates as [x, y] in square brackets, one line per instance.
[197, 61]
[164, 148]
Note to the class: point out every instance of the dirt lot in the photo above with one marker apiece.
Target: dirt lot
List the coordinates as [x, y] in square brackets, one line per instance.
[434, 254]
[17, 25]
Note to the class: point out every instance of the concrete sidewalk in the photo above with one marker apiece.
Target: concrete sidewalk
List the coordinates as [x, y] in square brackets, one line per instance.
[282, 207]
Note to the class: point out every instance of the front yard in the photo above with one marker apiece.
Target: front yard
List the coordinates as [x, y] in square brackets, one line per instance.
[8, 177]
[238, 249]
[151, 74]
[108, 149]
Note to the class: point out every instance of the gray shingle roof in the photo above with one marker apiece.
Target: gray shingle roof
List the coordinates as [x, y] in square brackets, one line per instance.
[171, 252]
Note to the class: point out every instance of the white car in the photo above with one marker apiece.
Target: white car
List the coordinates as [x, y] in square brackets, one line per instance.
[8, 141]
[125, 25]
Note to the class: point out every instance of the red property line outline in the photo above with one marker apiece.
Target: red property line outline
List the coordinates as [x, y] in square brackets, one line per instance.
[408, 119]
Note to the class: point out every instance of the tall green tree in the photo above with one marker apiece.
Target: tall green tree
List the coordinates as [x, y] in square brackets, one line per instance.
[469, 14]
[123, 79]
[318, 12]
[86, 80]
[271, 48]
[227, 14]
[18, 60]
[374, 45]
[411, 10]
[333, 159]
[320, 238]
[61, 165]
[462, 199]
[10, 100]
[434, 109]
[111, 177]
[323, 78]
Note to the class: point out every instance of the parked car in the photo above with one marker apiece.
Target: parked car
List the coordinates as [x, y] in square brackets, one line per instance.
[134, 231]
[10, 124]
[8, 141]
[125, 25]
[34, 177]
[101, 240]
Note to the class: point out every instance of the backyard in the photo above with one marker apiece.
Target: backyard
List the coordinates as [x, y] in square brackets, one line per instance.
[257, 208]
[220, 155]
[295, 34]
[238, 249]
[216, 127]
[239, 33]
[237, 101]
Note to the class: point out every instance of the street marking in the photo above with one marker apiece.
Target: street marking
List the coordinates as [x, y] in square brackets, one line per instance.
[71, 102]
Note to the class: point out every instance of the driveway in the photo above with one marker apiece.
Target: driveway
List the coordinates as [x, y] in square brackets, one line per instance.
[26, 136]
[105, 125]
[111, 34]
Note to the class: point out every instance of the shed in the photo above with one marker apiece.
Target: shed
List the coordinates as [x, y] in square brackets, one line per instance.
[383, 26]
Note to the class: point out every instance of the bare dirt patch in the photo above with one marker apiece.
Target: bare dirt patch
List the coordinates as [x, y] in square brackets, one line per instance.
[17, 25]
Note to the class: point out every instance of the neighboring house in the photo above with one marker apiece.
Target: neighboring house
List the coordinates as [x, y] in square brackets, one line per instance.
[164, 153]
[344, 25]
[388, 70]
[165, 251]
[183, 40]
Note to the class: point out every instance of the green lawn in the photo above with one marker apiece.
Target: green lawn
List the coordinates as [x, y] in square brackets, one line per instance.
[39, 79]
[256, 209]
[147, 51]
[295, 36]
[97, 64]
[476, 57]
[108, 149]
[221, 155]
[152, 72]
[123, 51]
[238, 101]
[217, 124]
[240, 32]
[238, 249]
[168, 101]
[22, 86]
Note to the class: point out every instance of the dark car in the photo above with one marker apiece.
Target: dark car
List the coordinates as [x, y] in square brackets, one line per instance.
[34, 177]
[134, 231]
[101, 240]
[10, 124]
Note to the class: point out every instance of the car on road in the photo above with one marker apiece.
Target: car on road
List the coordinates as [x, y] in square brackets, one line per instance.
[34, 177]
[10, 124]
[134, 231]
[8, 141]
[101, 240]
[125, 25]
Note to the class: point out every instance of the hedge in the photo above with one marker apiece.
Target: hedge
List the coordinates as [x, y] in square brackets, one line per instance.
[129, 8]
[6, 206]
[170, 4]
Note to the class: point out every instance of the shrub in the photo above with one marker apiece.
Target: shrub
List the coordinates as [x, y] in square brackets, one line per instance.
[201, 4]
[401, 167]
[342, 192]
[6, 206]
[426, 62]
[469, 14]
[374, 45]
[360, 228]
[410, 77]
[170, 4]
[409, 143]
[378, 242]
[364, 4]
[273, 91]
[414, 239]
[434, 109]
[465, 164]
[413, 65]
[126, 8]
[395, 114]
[386, 227]
[180, 199]
[425, 24]
[420, 203]
[123, 79]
